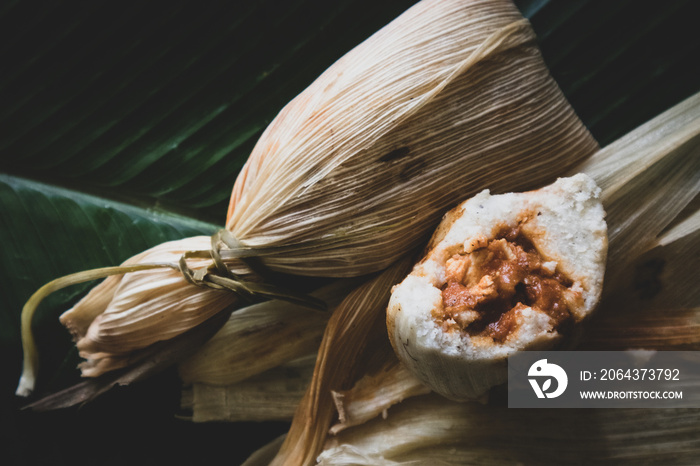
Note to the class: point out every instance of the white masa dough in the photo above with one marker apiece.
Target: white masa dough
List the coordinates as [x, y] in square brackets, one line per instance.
[563, 221]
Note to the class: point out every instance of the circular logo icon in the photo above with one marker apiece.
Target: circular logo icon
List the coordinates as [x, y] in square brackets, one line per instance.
[546, 372]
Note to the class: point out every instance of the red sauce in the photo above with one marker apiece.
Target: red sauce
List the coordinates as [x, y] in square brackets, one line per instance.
[487, 288]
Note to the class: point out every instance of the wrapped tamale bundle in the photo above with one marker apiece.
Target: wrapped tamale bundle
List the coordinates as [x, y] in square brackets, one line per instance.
[132, 303]
[451, 96]
[502, 274]
[119, 315]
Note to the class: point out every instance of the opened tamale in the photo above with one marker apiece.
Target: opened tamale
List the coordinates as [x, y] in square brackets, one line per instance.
[502, 274]
[459, 315]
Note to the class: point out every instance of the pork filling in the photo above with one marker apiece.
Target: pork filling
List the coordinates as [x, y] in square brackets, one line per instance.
[486, 289]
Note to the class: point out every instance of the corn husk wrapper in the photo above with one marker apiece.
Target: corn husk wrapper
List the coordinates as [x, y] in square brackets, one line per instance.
[657, 306]
[254, 339]
[275, 393]
[677, 283]
[449, 433]
[449, 98]
[224, 380]
[271, 396]
[648, 177]
[143, 364]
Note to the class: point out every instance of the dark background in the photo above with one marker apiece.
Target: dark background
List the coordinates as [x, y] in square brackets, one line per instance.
[184, 81]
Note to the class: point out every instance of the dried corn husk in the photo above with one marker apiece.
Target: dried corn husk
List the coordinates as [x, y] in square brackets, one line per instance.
[352, 332]
[665, 329]
[271, 396]
[144, 363]
[657, 306]
[374, 394]
[266, 454]
[665, 274]
[648, 177]
[678, 246]
[259, 337]
[225, 380]
[468, 433]
[448, 98]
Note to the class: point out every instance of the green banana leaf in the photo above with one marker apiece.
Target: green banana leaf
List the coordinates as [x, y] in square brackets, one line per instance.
[124, 124]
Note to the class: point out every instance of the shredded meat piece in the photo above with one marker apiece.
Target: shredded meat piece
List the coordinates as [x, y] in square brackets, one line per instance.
[487, 288]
